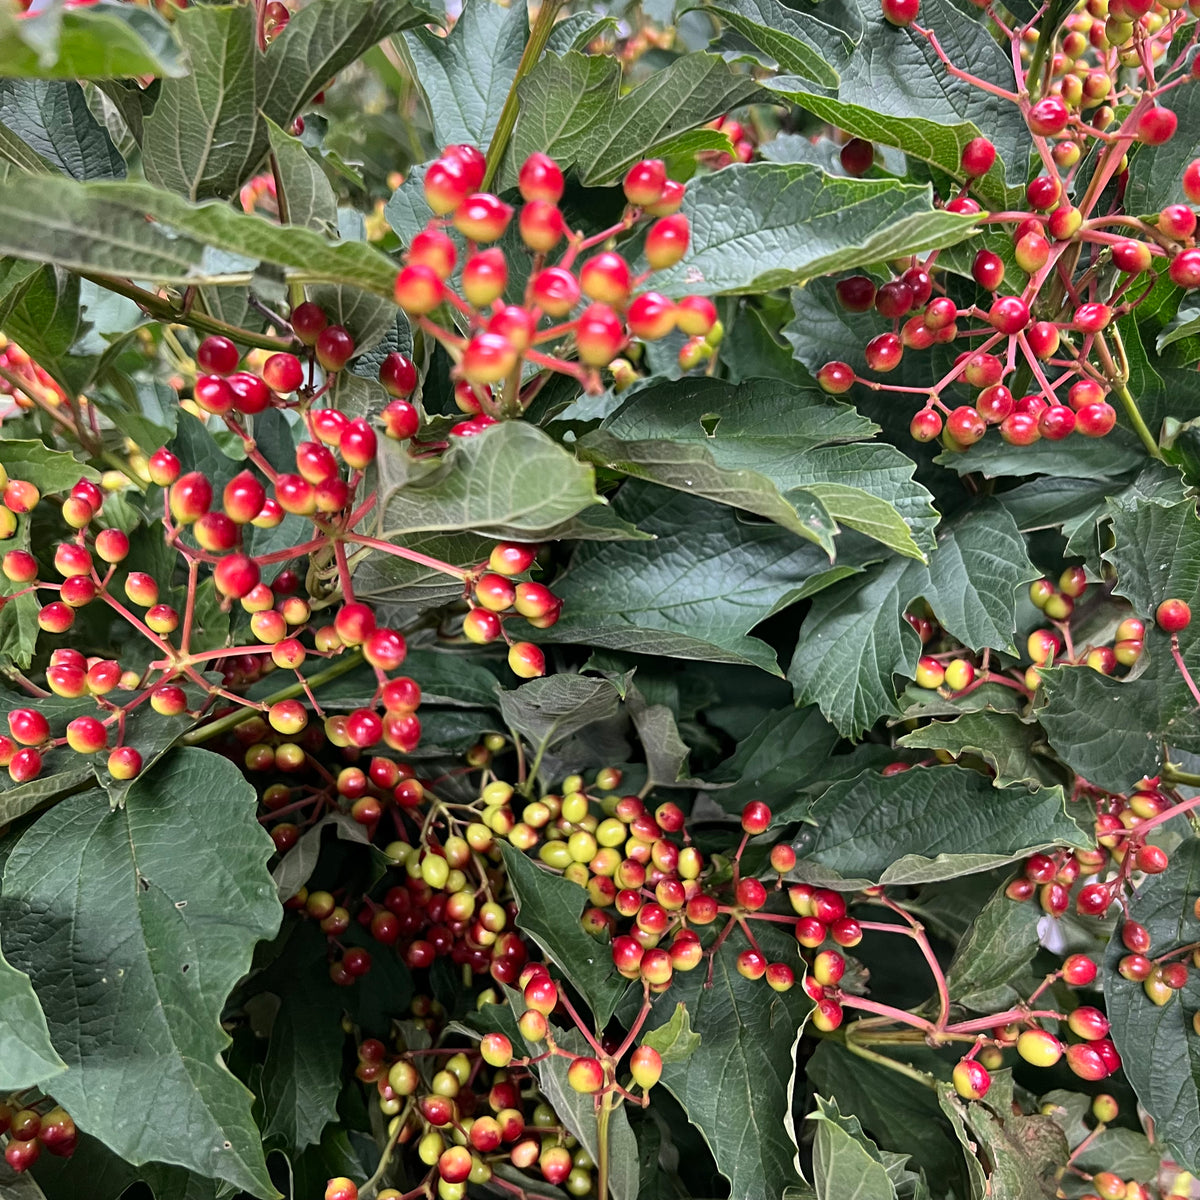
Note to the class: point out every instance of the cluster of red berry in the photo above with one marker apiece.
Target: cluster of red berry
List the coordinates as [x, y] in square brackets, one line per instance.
[25, 380]
[547, 329]
[30, 1132]
[1056, 330]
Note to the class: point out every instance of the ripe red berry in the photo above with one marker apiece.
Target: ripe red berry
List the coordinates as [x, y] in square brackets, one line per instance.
[883, 353]
[1095, 420]
[283, 373]
[1156, 126]
[926, 425]
[894, 299]
[400, 419]
[977, 157]
[599, 335]
[988, 270]
[1091, 318]
[163, 467]
[1185, 269]
[555, 291]
[855, 294]
[1173, 616]
[334, 348]
[418, 289]
[1048, 116]
[526, 660]
[900, 13]
[358, 444]
[857, 156]
[540, 179]
[542, 226]
[836, 378]
[1078, 970]
[1043, 193]
[1009, 315]
[190, 497]
[965, 425]
[218, 355]
[398, 374]
[1178, 220]
[307, 321]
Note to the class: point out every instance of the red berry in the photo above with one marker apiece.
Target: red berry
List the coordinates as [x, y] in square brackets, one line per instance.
[1178, 220]
[555, 290]
[398, 374]
[756, 817]
[1079, 970]
[599, 335]
[971, 1079]
[965, 425]
[836, 378]
[400, 419]
[894, 299]
[1173, 615]
[883, 353]
[900, 12]
[542, 226]
[926, 425]
[447, 184]
[283, 373]
[540, 179]
[988, 270]
[1185, 269]
[1091, 318]
[1056, 422]
[482, 217]
[1156, 126]
[857, 156]
[418, 289]
[1043, 192]
[1009, 315]
[334, 348]
[1095, 420]
[358, 444]
[307, 321]
[977, 157]
[218, 355]
[1048, 116]
[855, 294]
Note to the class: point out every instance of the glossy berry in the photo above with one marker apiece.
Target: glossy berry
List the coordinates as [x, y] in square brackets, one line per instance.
[482, 217]
[1156, 126]
[1048, 116]
[398, 374]
[1039, 1048]
[526, 660]
[308, 320]
[667, 241]
[1173, 615]
[645, 182]
[988, 270]
[836, 378]
[756, 818]
[971, 1079]
[900, 13]
[335, 347]
[856, 294]
[857, 156]
[586, 1075]
[1078, 970]
[977, 157]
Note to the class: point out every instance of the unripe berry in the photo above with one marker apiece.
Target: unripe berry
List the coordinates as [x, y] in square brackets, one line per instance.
[586, 1075]
[651, 316]
[971, 1080]
[836, 378]
[488, 358]
[112, 545]
[599, 335]
[163, 467]
[669, 202]
[756, 817]
[482, 217]
[418, 290]
[667, 241]
[540, 179]
[1184, 269]
[555, 291]
[1040, 1048]
[86, 735]
[526, 660]
[511, 558]
[645, 182]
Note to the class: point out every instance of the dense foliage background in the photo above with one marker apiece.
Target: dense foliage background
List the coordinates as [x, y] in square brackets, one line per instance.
[839, 767]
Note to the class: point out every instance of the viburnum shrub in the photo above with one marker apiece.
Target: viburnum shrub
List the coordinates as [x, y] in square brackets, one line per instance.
[526, 668]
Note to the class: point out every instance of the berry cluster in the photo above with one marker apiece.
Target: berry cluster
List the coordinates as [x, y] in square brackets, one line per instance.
[1044, 352]
[30, 1131]
[24, 380]
[211, 533]
[548, 329]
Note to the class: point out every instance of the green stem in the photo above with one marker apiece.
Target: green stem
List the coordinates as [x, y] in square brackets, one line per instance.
[1172, 775]
[891, 1063]
[603, 1113]
[539, 35]
[227, 722]
[367, 1191]
[164, 310]
[1135, 419]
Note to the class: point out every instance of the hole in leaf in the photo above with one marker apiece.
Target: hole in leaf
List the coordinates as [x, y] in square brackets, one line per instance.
[709, 422]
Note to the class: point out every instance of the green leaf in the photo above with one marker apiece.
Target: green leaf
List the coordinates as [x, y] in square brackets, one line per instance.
[893, 90]
[980, 566]
[734, 1089]
[787, 453]
[549, 908]
[1000, 944]
[855, 638]
[1156, 1043]
[309, 195]
[52, 119]
[406, 588]
[1015, 748]
[100, 41]
[764, 226]
[548, 711]
[50, 471]
[1112, 730]
[1156, 172]
[467, 74]
[672, 596]
[572, 108]
[846, 1163]
[294, 868]
[926, 824]
[786, 752]
[853, 641]
[1118, 453]
[675, 1041]
[510, 481]
[302, 1075]
[200, 137]
[102, 228]
[26, 1055]
[46, 320]
[144, 918]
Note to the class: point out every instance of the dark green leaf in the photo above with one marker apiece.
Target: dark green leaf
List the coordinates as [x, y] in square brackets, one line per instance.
[1157, 1043]
[145, 917]
[1009, 744]
[509, 481]
[102, 227]
[405, 588]
[1000, 944]
[735, 1087]
[786, 453]
[672, 596]
[549, 907]
[572, 109]
[763, 226]
[53, 119]
[547, 711]
[200, 135]
[50, 471]
[929, 823]
[26, 1055]
[467, 74]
